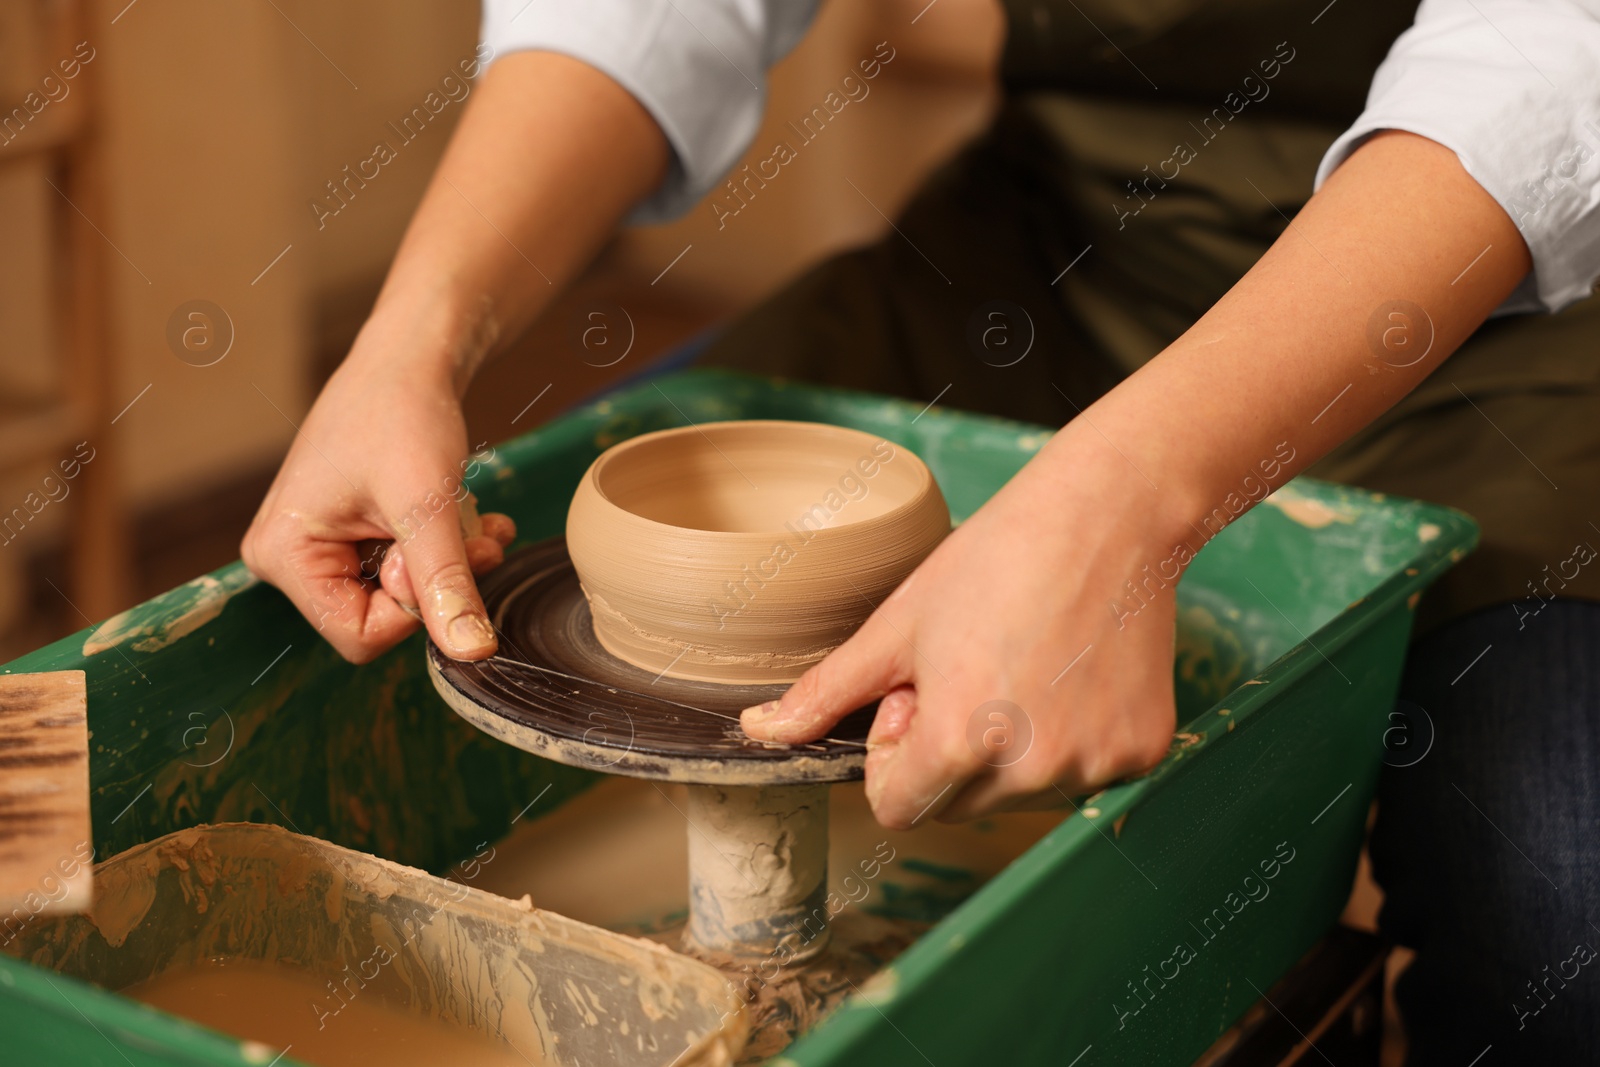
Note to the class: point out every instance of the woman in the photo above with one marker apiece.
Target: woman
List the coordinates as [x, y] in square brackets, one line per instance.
[1133, 201]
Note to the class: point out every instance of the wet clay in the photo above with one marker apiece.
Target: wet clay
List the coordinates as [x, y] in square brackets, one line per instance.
[271, 1003]
[758, 866]
[1308, 512]
[371, 932]
[746, 551]
[614, 856]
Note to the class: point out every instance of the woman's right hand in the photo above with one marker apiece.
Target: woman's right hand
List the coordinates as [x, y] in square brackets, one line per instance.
[548, 156]
[381, 458]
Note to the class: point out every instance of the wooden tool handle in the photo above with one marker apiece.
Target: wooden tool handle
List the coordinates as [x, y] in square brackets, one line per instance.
[46, 849]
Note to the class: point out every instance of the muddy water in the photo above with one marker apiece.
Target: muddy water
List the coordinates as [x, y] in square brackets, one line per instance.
[275, 1005]
[617, 857]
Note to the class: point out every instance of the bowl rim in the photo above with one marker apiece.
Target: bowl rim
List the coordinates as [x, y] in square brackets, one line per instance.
[926, 484]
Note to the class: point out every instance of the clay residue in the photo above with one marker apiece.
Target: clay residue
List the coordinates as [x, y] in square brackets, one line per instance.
[699, 661]
[580, 753]
[1308, 512]
[1209, 659]
[372, 932]
[155, 625]
[123, 897]
[758, 858]
[802, 995]
[885, 887]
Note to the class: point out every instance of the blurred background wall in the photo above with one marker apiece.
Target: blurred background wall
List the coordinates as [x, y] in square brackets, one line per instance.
[171, 300]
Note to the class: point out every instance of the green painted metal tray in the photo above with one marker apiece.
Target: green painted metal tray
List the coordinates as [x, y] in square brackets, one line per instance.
[1135, 933]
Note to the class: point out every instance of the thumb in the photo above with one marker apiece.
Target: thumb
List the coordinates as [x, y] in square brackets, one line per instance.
[435, 557]
[855, 674]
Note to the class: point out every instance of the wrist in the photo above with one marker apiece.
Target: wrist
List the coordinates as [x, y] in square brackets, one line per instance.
[1117, 475]
[1165, 485]
[436, 333]
[1101, 523]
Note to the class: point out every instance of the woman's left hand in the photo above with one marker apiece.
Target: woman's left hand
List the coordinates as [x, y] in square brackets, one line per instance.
[1014, 666]
[1043, 600]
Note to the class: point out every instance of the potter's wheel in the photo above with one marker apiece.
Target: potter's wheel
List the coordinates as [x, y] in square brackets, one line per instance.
[555, 691]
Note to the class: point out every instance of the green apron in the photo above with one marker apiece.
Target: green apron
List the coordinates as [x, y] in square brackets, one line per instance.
[1145, 157]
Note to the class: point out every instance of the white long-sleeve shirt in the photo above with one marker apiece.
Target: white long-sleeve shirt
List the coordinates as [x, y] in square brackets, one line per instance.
[698, 66]
[1511, 86]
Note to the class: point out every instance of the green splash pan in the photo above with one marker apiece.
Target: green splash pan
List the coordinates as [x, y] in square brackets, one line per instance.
[210, 699]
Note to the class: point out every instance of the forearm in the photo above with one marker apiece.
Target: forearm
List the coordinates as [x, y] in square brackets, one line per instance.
[549, 156]
[1303, 352]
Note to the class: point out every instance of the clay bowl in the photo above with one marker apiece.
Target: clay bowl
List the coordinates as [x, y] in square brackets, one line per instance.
[744, 552]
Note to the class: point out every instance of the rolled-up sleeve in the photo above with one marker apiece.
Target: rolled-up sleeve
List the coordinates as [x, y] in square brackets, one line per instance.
[698, 66]
[1513, 88]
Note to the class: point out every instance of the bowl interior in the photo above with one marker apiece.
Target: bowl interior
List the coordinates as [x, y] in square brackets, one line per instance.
[757, 477]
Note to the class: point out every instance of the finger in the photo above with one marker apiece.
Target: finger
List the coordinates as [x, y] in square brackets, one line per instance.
[371, 552]
[1012, 767]
[904, 794]
[396, 582]
[1034, 780]
[323, 580]
[385, 625]
[893, 718]
[467, 514]
[484, 554]
[856, 673]
[990, 792]
[914, 779]
[880, 758]
[1049, 800]
[889, 725]
[435, 557]
[500, 527]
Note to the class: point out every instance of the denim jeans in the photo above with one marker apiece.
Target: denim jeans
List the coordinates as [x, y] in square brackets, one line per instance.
[1488, 846]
